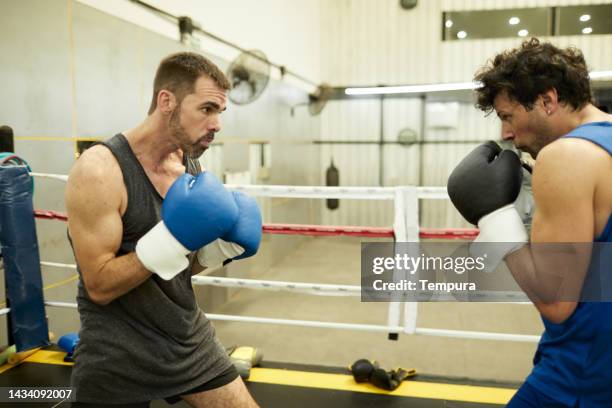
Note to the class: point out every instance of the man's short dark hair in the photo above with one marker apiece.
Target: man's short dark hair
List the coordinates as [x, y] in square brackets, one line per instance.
[526, 72]
[179, 72]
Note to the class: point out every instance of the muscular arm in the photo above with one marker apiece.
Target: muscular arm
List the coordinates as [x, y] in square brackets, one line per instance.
[551, 269]
[93, 199]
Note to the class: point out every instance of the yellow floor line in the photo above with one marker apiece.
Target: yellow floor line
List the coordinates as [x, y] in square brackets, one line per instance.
[42, 357]
[48, 357]
[341, 382]
[409, 388]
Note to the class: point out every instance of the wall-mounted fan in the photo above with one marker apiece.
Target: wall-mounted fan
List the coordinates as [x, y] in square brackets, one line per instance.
[318, 99]
[249, 75]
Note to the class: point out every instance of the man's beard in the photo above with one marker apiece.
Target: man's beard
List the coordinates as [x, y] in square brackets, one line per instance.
[192, 150]
[544, 135]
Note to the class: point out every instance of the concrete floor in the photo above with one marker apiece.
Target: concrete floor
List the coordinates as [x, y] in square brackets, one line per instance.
[337, 260]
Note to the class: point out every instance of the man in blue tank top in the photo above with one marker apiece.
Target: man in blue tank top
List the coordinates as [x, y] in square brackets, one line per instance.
[542, 96]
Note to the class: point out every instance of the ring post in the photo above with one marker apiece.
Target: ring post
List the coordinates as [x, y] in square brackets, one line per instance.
[21, 259]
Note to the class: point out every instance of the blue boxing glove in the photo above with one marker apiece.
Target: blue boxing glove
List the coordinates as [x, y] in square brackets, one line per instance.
[242, 241]
[68, 342]
[196, 211]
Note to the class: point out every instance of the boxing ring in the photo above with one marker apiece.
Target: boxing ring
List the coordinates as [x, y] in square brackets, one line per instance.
[401, 317]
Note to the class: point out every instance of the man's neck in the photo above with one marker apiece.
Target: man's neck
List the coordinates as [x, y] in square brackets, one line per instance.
[590, 113]
[570, 119]
[152, 144]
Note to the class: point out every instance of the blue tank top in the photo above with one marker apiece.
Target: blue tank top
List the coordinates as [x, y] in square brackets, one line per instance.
[573, 362]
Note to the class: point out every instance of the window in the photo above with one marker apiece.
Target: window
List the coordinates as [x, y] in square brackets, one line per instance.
[527, 22]
[578, 20]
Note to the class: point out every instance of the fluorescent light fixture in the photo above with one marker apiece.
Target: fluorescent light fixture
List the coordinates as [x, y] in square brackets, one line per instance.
[451, 86]
[600, 74]
[448, 23]
[523, 33]
[585, 17]
[408, 89]
[514, 20]
[587, 30]
[461, 34]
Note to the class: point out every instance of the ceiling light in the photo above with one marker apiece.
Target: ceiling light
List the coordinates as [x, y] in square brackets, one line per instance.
[585, 17]
[408, 89]
[454, 86]
[523, 33]
[461, 35]
[448, 23]
[587, 30]
[600, 74]
[514, 20]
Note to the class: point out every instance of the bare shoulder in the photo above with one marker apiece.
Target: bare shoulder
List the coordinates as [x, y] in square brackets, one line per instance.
[571, 146]
[570, 157]
[565, 168]
[97, 176]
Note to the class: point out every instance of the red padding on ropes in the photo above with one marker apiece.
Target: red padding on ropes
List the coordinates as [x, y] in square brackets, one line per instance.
[50, 215]
[372, 232]
[327, 230]
[448, 233]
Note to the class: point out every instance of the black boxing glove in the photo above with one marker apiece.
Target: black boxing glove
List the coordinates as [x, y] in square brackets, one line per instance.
[362, 370]
[487, 179]
[483, 188]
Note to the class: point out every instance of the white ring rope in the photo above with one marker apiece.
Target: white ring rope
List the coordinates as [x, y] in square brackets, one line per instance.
[301, 287]
[305, 323]
[357, 193]
[325, 289]
[58, 265]
[4, 311]
[61, 177]
[62, 305]
[462, 334]
[465, 334]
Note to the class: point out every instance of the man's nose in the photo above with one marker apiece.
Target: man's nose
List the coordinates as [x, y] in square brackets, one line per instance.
[507, 133]
[214, 124]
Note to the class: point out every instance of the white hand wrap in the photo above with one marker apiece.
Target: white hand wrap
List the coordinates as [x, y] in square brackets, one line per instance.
[501, 233]
[161, 253]
[214, 254]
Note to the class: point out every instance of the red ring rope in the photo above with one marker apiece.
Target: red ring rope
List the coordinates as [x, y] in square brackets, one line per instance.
[328, 230]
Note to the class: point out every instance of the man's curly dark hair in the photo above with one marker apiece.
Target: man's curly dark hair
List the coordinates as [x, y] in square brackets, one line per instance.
[532, 69]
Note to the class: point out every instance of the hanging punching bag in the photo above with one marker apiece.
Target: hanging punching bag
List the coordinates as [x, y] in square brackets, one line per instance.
[332, 178]
[7, 143]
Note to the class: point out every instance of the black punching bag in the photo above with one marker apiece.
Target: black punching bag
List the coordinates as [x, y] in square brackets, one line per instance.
[332, 178]
[6, 139]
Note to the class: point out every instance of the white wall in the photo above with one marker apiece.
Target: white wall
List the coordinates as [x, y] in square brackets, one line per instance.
[377, 42]
[286, 31]
[87, 73]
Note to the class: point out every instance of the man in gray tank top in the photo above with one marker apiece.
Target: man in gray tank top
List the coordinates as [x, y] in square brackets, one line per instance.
[143, 336]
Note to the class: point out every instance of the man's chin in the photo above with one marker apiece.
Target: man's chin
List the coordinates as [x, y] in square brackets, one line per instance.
[533, 153]
[195, 153]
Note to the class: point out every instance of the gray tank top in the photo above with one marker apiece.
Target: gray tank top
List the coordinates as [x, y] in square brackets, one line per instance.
[154, 341]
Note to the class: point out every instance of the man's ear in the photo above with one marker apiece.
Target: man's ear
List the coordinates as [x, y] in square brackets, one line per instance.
[166, 101]
[550, 101]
